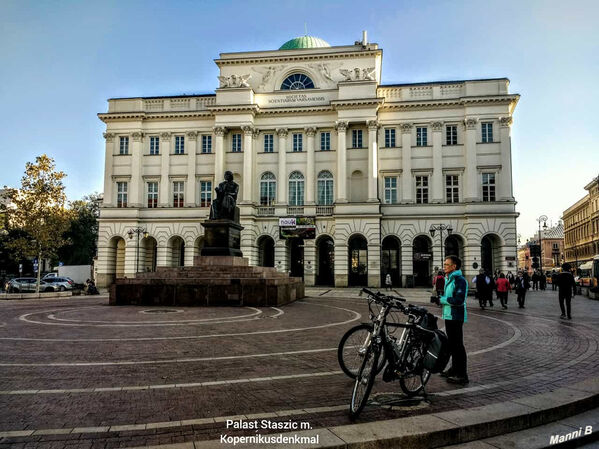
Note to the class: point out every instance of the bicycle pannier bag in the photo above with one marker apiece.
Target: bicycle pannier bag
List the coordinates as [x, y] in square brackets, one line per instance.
[429, 322]
[437, 353]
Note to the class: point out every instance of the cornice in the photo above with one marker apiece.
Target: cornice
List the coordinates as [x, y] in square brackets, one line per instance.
[253, 108]
[343, 104]
[293, 58]
[463, 101]
[144, 116]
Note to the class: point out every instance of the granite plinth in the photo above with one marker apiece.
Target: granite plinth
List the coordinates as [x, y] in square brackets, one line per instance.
[222, 238]
[212, 281]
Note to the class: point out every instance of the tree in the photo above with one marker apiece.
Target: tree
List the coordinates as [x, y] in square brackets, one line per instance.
[38, 210]
[82, 233]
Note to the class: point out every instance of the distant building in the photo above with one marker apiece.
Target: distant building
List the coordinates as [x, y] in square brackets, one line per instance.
[524, 260]
[581, 226]
[552, 246]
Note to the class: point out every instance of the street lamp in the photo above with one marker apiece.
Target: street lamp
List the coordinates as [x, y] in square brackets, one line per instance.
[131, 233]
[542, 218]
[440, 228]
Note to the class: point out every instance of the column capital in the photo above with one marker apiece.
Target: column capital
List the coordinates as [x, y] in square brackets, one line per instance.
[256, 133]
[373, 125]
[341, 125]
[470, 122]
[406, 128]
[437, 126]
[219, 131]
[137, 136]
[282, 132]
[505, 122]
[192, 135]
[247, 130]
[109, 136]
[310, 131]
[165, 136]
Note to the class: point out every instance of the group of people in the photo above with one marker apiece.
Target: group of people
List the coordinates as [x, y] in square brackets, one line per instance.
[502, 284]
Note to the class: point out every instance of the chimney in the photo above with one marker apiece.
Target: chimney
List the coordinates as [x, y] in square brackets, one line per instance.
[364, 37]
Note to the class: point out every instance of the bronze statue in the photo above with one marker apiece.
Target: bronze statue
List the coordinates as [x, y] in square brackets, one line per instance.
[224, 205]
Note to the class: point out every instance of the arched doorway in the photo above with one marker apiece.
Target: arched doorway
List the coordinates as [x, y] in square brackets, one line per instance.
[325, 256]
[266, 251]
[422, 261]
[454, 246]
[296, 257]
[176, 252]
[390, 253]
[116, 258]
[147, 258]
[358, 261]
[489, 253]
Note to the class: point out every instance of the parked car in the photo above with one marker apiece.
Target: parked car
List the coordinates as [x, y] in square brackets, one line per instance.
[27, 285]
[53, 274]
[63, 283]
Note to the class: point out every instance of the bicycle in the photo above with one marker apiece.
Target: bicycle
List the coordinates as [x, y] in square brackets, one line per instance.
[404, 355]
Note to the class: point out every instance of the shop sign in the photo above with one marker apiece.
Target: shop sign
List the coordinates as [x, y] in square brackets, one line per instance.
[297, 227]
[423, 256]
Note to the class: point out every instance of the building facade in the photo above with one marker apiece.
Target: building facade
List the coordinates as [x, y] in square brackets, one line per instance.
[581, 227]
[312, 135]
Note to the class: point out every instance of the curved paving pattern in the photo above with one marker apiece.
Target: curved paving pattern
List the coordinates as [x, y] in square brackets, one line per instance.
[78, 371]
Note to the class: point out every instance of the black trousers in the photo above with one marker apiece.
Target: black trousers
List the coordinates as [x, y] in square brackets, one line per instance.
[502, 296]
[455, 336]
[521, 297]
[568, 299]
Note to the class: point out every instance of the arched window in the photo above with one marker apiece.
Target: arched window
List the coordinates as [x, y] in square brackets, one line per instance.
[325, 188]
[297, 81]
[268, 188]
[296, 189]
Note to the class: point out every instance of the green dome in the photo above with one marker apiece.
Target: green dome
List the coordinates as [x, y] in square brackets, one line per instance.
[304, 42]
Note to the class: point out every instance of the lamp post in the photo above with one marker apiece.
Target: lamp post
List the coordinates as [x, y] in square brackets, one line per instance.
[542, 218]
[440, 228]
[139, 231]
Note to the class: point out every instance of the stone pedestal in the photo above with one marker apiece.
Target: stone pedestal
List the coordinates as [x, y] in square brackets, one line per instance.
[222, 238]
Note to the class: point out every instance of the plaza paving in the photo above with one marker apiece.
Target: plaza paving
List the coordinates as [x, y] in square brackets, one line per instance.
[79, 373]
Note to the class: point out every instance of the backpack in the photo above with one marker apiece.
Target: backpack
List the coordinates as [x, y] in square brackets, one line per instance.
[437, 353]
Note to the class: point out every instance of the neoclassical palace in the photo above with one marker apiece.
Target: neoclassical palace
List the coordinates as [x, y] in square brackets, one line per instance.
[342, 179]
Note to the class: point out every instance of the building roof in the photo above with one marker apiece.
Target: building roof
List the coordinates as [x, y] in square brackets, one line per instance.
[556, 232]
[304, 42]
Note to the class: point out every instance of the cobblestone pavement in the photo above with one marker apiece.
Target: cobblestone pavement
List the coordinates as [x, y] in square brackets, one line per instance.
[78, 373]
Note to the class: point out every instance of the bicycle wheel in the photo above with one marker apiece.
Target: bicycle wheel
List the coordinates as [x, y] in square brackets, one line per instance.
[352, 348]
[364, 381]
[415, 377]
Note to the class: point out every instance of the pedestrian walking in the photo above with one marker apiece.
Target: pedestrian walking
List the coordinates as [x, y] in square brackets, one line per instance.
[535, 280]
[492, 287]
[503, 288]
[453, 301]
[542, 281]
[567, 290]
[388, 282]
[522, 286]
[511, 278]
[553, 280]
[439, 283]
[482, 282]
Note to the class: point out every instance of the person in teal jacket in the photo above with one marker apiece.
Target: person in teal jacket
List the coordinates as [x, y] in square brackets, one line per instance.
[453, 301]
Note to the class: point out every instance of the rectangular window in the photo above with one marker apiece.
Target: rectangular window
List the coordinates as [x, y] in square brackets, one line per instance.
[179, 144]
[152, 194]
[205, 193]
[389, 137]
[269, 143]
[356, 138]
[488, 187]
[268, 187]
[121, 194]
[236, 143]
[487, 132]
[421, 136]
[390, 189]
[452, 191]
[325, 141]
[124, 145]
[178, 196]
[421, 189]
[297, 142]
[206, 144]
[154, 145]
[451, 135]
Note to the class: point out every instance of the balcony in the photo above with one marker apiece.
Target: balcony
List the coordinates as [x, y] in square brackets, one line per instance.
[266, 211]
[295, 210]
[324, 210]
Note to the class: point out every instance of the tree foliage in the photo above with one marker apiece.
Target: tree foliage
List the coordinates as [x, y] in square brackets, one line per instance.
[82, 232]
[38, 210]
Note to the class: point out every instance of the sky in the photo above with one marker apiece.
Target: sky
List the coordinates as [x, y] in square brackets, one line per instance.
[61, 61]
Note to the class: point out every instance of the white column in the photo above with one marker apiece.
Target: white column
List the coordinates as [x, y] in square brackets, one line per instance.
[191, 190]
[282, 178]
[437, 196]
[136, 192]
[406, 163]
[505, 180]
[108, 169]
[471, 172]
[219, 152]
[310, 168]
[281, 262]
[165, 150]
[248, 180]
[373, 158]
[341, 127]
